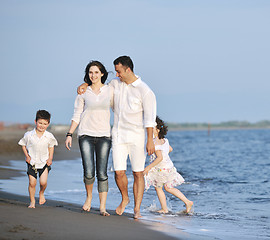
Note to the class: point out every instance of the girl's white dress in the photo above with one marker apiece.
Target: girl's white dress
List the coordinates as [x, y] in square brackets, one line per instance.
[163, 174]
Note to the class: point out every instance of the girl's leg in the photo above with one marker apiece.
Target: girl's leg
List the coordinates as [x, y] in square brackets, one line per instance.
[162, 200]
[43, 184]
[102, 147]
[87, 148]
[181, 196]
[32, 190]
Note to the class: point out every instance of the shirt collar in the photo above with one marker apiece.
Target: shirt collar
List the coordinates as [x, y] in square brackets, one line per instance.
[45, 134]
[101, 89]
[137, 82]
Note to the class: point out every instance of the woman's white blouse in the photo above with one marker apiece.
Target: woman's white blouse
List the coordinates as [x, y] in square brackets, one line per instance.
[92, 112]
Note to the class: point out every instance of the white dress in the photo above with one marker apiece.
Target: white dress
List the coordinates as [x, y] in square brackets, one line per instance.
[163, 174]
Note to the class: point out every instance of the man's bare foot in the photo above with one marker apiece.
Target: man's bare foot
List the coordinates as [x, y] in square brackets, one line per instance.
[121, 208]
[87, 204]
[42, 199]
[137, 214]
[104, 213]
[32, 205]
[163, 211]
[189, 206]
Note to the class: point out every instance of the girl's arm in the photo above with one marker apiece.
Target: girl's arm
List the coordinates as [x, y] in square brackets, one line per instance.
[27, 157]
[51, 151]
[170, 149]
[156, 162]
[72, 128]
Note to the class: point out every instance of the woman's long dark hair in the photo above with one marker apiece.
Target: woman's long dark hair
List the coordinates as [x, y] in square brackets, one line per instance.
[100, 67]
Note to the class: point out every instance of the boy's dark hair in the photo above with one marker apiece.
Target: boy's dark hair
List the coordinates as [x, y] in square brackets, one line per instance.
[125, 61]
[100, 67]
[163, 129]
[43, 114]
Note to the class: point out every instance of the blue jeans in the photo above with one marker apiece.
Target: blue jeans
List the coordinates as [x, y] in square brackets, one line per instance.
[98, 148]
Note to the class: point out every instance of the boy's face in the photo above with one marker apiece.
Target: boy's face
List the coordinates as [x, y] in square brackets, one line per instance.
[42, 125]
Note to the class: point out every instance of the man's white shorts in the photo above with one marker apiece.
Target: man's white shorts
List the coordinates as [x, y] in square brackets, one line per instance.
[136, 153]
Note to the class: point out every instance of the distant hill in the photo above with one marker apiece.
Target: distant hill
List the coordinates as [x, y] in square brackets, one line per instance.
[222, 125]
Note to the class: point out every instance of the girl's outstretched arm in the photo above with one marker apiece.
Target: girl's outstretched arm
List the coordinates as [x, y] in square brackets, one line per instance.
[156, 162]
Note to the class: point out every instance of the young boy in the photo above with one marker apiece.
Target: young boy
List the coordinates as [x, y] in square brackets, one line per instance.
[38, 147]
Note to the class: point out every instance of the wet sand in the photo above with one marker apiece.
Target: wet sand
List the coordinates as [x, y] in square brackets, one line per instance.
[55, 219]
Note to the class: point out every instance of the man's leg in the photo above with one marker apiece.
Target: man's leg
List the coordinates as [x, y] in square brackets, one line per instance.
[122, 183]
[138, 190]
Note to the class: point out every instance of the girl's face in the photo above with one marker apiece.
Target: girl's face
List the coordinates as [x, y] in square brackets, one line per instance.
[95, 74]
[156, 131]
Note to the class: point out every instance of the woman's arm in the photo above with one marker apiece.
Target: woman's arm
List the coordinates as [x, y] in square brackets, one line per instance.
[156, 162]
[72, 128]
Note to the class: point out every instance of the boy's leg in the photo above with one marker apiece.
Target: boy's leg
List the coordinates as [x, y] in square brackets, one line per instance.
[181, 196]
[32, 190]
[43, 184]
[162, 200]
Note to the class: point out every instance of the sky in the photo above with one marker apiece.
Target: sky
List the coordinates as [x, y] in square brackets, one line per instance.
[206, 61]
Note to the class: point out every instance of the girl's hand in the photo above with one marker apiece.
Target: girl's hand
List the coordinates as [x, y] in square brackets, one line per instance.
[146, 170]
[28, 159]
[68, 142]
[49, 162]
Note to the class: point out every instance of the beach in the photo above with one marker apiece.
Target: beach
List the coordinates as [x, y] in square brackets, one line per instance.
[56, 219]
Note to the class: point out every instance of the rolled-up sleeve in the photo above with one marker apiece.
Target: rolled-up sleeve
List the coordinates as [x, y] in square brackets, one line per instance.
[149, 109]
[78, 109]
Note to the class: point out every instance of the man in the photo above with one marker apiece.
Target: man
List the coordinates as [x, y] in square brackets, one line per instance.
[134, 112]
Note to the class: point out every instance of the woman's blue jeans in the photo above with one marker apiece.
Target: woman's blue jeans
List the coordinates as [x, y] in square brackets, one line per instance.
[95, 148]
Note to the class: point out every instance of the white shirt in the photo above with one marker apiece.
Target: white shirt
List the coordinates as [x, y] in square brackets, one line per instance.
[134, 110]
[38, 148]
[92, 112]
[166, 160]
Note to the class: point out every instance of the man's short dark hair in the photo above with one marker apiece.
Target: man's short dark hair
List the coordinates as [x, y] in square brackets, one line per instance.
[43, 114]
[125, 61]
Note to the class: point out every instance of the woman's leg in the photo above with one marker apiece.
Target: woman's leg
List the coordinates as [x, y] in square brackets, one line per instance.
[103, 146]
[162, 200]
[87, 148]
[181, 196]
[32, 190]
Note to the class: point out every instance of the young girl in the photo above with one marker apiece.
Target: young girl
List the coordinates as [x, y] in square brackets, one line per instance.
[161, 172]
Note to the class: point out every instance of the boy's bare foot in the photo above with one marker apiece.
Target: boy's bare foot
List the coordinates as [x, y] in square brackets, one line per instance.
[163, 211]
[104, 213]
[42, 199]
[121, 208]
[87, 204]
[32, 205]
[189, 206]
[137, 214]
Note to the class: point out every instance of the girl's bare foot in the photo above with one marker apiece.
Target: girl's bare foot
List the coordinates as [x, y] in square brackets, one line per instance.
[163, 211]
[42, 199]
[189, 206]
[121, 208]
[32, 205]
[87, 205]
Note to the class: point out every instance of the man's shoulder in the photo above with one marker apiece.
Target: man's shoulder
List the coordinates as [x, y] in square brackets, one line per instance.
[114, 82]
[143, 86]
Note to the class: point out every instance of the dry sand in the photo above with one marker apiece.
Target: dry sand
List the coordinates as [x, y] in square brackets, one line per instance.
[58, 220]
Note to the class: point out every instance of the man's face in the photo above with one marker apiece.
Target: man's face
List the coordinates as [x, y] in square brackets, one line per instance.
[121, 72]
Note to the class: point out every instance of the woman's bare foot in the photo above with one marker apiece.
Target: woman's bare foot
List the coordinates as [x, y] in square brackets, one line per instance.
[189, 206]
[121, 208]
[163, 211]
[104, 213]
[137, 214]
[87, 204]
[42, 199]
[32, 205]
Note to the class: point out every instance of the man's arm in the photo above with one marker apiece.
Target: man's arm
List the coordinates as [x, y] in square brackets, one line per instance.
[82, 88]
[150, 147]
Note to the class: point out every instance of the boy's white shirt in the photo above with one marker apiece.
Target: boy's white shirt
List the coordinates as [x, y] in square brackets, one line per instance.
[38, 148]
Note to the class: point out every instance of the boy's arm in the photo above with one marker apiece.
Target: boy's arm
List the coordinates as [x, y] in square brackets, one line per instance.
[27, 157]
[153, 164]
[51, 151]
[82, 88]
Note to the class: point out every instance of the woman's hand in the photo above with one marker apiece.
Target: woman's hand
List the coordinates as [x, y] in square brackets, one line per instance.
[68, 142]
[82, 88]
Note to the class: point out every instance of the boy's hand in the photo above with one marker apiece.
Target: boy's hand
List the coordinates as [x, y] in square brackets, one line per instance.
[49, 162]
[82, 88]
[68, 142]
[28, 159]
[146, 170]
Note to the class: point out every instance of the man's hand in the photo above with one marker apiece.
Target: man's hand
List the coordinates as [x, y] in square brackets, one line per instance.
[82, 88]
[150, 147]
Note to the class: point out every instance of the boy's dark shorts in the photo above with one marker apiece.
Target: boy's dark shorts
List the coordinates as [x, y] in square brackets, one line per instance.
[33, 172]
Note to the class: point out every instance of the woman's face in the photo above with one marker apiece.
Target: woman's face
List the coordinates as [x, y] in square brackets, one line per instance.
[95, 74]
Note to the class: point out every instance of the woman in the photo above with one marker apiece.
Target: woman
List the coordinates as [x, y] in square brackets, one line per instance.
[92, 114]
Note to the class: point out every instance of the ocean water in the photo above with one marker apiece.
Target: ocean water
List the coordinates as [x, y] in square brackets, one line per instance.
[227, 178]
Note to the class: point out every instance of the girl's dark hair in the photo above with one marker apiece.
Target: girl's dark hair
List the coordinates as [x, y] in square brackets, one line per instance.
[163, 129]
[100, 67]
[43, 114]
